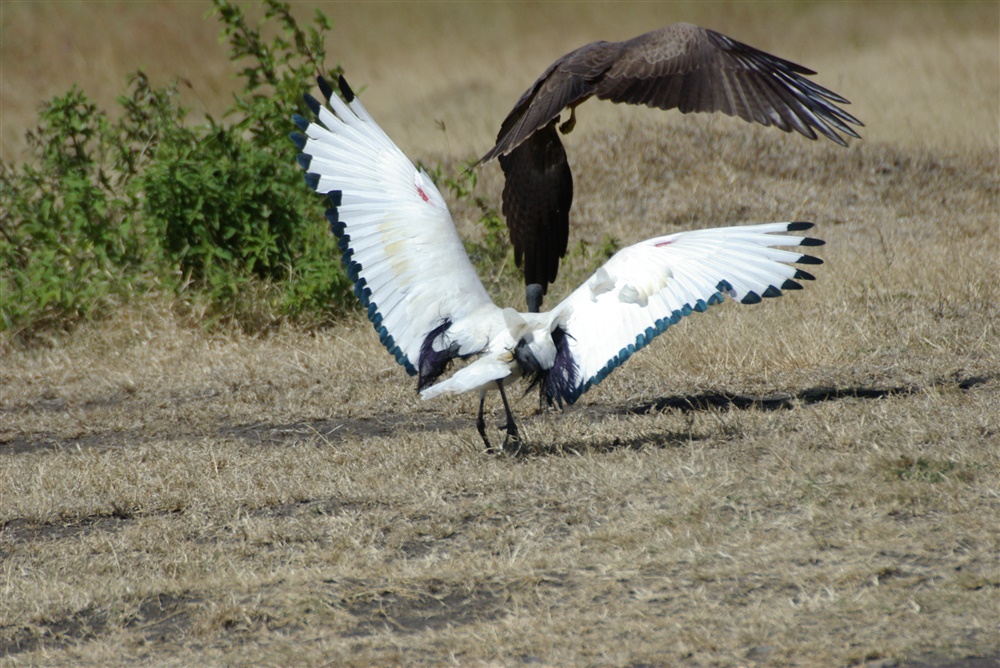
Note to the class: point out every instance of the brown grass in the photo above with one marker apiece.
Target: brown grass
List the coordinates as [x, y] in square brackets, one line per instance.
[812, 481]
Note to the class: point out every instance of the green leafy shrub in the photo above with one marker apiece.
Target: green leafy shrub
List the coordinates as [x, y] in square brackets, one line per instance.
[70, 243]
[216, 213]
[229, 215]
[212, 216]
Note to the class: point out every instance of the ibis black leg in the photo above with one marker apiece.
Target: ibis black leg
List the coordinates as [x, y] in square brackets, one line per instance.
[512, 441]
[480, 422]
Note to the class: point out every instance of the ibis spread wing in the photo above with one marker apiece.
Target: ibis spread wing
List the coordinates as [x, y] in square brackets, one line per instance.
[645, 288]
[400, 245]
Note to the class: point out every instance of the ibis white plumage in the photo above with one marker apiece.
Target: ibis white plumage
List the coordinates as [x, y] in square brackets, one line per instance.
[422, 294]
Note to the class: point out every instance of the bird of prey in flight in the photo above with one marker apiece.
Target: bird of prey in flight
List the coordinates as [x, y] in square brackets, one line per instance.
[680, 66]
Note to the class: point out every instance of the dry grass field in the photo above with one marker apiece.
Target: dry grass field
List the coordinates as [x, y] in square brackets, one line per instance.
[812, 481]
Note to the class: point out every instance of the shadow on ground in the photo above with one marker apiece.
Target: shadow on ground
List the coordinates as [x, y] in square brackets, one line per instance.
[335, 429]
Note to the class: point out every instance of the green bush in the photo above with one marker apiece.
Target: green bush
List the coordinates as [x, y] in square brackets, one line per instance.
[229, 215]
[70, 242]
[217, 213]
[214, 216]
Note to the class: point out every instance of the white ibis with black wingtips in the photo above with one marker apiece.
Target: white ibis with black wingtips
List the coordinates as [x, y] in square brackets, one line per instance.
[425, 300]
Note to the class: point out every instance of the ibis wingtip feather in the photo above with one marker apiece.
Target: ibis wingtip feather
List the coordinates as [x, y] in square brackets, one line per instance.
[312, 103]
[324, 87]
[345, 90]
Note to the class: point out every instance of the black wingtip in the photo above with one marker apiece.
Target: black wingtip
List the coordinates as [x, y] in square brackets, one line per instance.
[809, 259]
[799, 226]
[302, 123]
[324, 87]
[789, 284]
[298, 139]
[333, 217]
[771, 292]
[809, 241]
[345, 90]
[803, 275]
[303, 160]
[312, 103]
[339, 230]
[751, 298]
[312, 180]
[336, 196]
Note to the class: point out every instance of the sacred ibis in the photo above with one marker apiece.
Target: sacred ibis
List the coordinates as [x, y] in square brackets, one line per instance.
[680, 66]
[423, 296]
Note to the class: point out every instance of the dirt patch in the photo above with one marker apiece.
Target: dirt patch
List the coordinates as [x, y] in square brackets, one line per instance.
[336, 429]
[328, 430]
[20, 530]
[155, 620]
[432, 605]
[42, 442]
